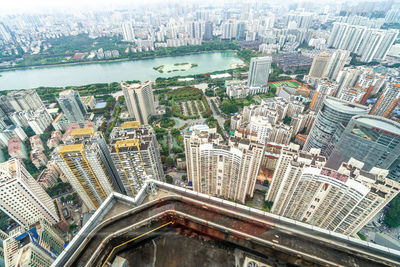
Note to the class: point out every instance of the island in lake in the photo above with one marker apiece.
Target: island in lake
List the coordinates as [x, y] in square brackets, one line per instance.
[174, 67]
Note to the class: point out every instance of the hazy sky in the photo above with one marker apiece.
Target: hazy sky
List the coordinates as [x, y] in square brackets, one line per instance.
[16, 6]
[7, 6]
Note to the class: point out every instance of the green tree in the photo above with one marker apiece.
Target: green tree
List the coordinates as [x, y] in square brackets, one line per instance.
[227, 125]
[392, 216]
[175, 132]
[169, 179]
[72, 228]
[177, 150]
[287, 120]
[228, 107]
[169, 162]
[167, 123]
[209, 92]
[121, 100]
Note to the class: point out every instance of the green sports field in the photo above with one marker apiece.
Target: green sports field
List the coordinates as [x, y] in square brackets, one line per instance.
[290, 83]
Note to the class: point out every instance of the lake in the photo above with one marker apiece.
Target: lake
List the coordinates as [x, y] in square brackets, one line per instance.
[106, 72]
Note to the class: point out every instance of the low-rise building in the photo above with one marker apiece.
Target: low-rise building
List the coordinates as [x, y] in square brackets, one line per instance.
[38, 158]
[55, 139]
[89, 101]
[36, 142]
[47, 178]
[69, 130]
[16, 148]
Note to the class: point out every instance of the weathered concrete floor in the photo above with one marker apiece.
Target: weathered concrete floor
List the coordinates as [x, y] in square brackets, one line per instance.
[173, 249]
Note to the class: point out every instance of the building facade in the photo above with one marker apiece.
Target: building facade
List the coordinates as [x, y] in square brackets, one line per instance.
[259, 71]
[227, 171]
[139, 100]
[39, 245]
[22, 198]
[342, 201]
[370, 44]
[333, 117]
[86, 162]
[387, 101]
[319, 65]
[72, 106]
[134, 151]
[336, 64]
[24, 100]
[373, 140]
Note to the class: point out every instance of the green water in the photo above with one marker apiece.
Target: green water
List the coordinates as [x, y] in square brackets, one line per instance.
[60, 76]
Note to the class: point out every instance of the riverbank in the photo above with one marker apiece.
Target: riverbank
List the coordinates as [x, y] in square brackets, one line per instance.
[158, 53]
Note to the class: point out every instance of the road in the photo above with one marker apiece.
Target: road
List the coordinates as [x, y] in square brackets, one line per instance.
[219, 118]
[169, 139]
[374, 231]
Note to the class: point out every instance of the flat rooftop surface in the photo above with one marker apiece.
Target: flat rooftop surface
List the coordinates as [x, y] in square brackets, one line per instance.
[345, 106]
[171, 226]
[184, 249]
[383, 124]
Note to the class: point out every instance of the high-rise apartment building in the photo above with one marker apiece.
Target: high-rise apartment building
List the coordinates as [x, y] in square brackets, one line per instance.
[5, 33]
[240, 31]
[3, 236]
[39, 120]
[208, 31]
[134, 151]
[373, 140]
[376, 44]
[342, 201]
[334, 115]
[346, 36]
[139, 100]
[72, 106]
[196, 29]
[10, 132]
[127, 31]
[387, 101]
[22, 198]
[370, 44]
[39, 245]
[259, 71]
[86, 163]
[24, 100]
[336, 63]
[324, 89]
[227, 171]
[228, 30]
[319, 65]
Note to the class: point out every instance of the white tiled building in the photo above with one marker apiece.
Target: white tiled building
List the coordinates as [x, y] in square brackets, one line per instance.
[21, 197]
